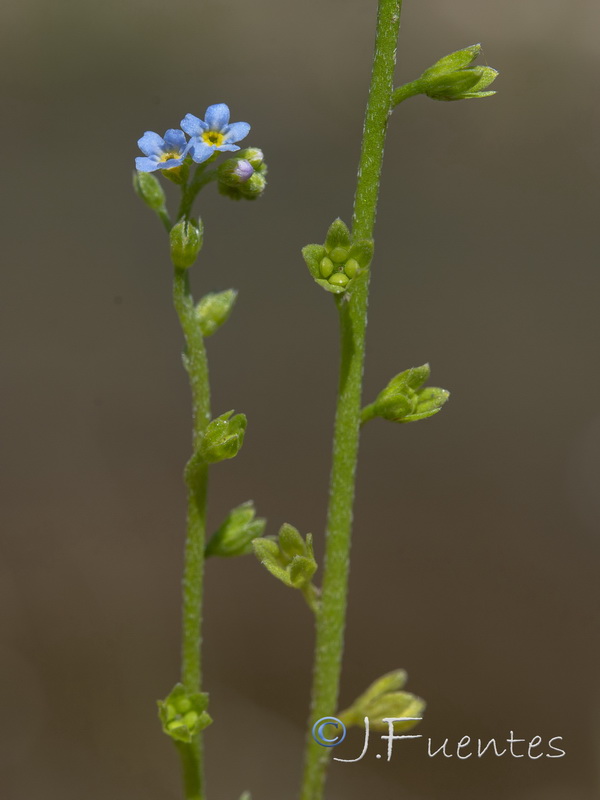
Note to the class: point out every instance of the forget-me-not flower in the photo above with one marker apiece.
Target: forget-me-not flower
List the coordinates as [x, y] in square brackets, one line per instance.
[161, 153]
[213, 133]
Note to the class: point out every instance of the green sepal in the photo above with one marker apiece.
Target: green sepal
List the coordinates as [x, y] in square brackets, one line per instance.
[301, 570]
[313, 254]
[383, 699]
[183, 714]
[290, 542]
[246, 796]
[412, 378]
[148, 189]
[267, 552]
[214, 309]
[223, 438]
[234, 536]
[429, 402]
[338, 235]
[290, 558]
[330, 287]
[395, 406]
[451, 86]
[180, 174]
[454, 61]
[362, 251]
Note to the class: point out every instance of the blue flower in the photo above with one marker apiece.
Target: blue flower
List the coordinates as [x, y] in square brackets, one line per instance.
[161, 153]
[213, 133]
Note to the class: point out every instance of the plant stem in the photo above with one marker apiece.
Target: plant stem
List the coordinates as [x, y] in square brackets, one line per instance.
[196, 476]
[353, 320]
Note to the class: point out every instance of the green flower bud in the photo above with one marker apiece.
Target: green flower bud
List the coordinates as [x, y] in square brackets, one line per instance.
[235, 171]
[453, 77]
[149, 190]
[214, 309]
[234, 537]
[403, 399]
[186, 242]
[254, 186]
[382, 699]
[223, 438]
[183, 714]
[254, 155]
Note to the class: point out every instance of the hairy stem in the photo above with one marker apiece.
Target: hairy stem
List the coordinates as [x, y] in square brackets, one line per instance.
[196, 476]
[353, 318]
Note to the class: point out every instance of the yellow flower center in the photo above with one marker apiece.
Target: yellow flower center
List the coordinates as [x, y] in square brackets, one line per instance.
[168, 156]
[214, 138]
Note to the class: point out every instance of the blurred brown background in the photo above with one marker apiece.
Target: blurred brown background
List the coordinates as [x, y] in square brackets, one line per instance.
[476, 540]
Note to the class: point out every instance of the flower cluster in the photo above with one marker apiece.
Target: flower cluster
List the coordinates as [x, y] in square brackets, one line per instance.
[212, 134]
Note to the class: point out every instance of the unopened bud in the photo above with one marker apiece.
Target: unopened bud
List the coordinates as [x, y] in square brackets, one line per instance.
[186, 242]
[149, 190]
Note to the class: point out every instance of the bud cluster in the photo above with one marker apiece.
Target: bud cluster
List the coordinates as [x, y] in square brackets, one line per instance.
[243, 177]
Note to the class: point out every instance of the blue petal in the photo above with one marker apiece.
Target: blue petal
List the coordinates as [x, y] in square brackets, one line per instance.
[237, 131]
[227, 148]
[146, 164]
[201, 152]
[151, 144]
[192, 125]
[217, 117]
[175, 140]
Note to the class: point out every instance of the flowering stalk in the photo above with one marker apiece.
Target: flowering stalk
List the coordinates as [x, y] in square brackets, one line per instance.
[183, 713]
[353, 320]
[196, 477]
